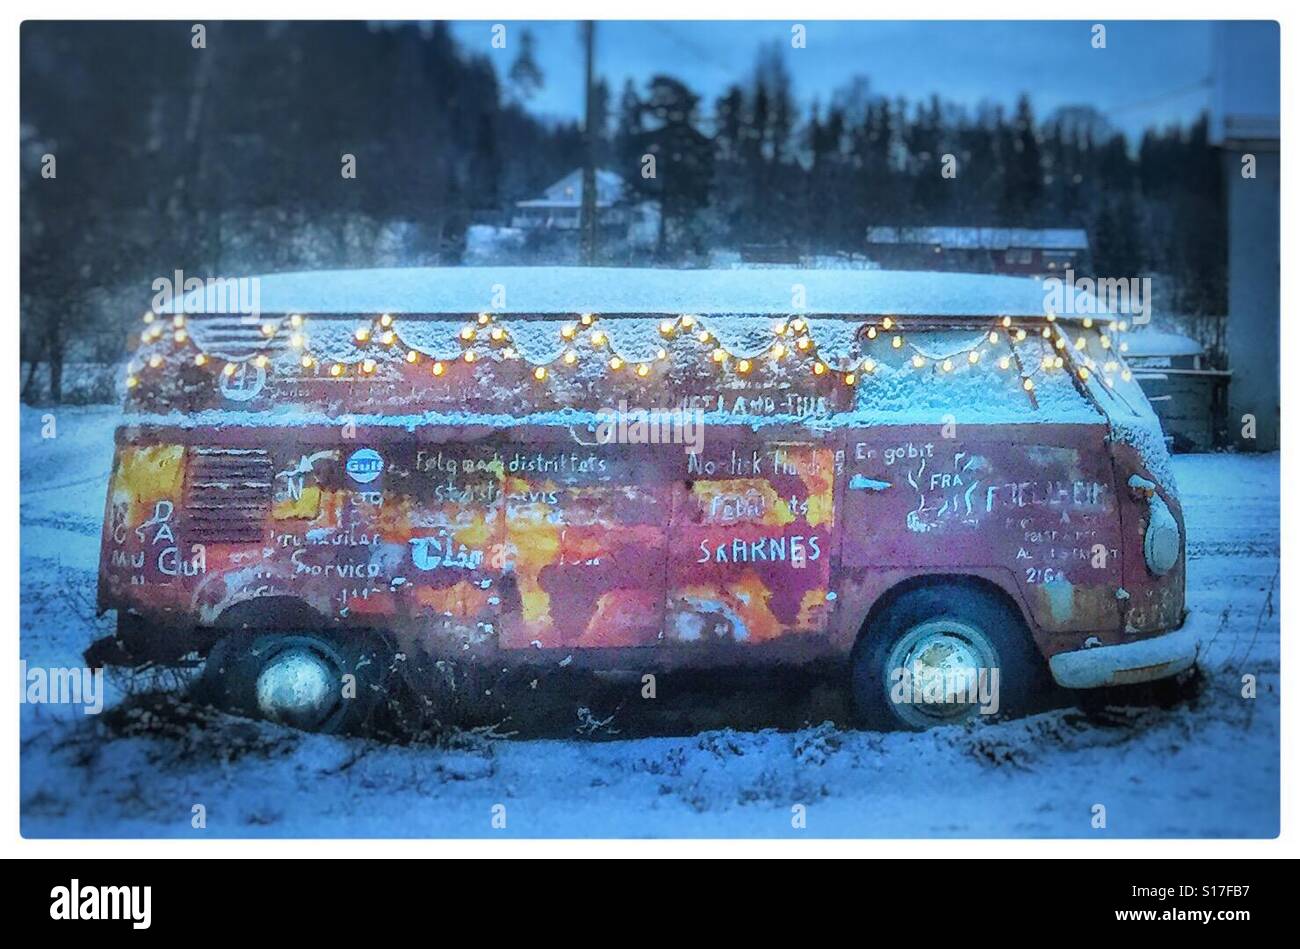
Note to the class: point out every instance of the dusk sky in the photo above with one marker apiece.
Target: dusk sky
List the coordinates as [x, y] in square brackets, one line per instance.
[1150, 73]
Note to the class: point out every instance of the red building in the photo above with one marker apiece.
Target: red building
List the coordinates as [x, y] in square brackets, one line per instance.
[1009, 250]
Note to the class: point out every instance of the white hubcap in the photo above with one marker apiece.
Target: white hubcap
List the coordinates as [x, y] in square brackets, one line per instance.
[298, 687]
[934, 672]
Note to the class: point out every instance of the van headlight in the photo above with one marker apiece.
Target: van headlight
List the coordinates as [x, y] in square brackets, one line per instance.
[1162, 545]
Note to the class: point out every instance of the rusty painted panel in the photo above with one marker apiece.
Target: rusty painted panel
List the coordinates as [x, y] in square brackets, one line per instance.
[751, 542]
[1045, 507]
[586, 538]
[141, 550]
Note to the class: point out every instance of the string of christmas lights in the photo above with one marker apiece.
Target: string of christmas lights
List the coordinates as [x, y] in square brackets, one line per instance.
[791, 339]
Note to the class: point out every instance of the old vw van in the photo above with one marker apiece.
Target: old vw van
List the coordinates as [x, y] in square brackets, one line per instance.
[927, 477]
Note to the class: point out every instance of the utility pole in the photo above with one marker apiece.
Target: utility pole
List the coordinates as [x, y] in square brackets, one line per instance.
[589, 161]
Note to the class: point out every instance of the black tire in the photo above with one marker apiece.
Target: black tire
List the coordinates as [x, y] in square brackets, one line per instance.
[230, 676]
[960, 611]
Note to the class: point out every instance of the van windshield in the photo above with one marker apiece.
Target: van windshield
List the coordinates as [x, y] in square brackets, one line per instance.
[1110, 381]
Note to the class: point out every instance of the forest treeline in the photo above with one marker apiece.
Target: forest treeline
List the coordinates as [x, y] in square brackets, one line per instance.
[227, 160]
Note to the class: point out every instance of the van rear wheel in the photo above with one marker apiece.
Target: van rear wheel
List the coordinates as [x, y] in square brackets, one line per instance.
[297, 679]
[943, 655]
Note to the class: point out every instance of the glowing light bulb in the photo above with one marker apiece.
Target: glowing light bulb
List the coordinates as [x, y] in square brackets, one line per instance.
[412, 356]
[1029, 385]
[467, 333]
[719, 355]
[570, 358]
[200, 360]
[850, 379]
[616, 364]
[386, 320]
[643, 370]
[743, 366]
[666, 328]
[539, 373]
[897, 342]
[439, 368]
[918, 361]
[974, 356]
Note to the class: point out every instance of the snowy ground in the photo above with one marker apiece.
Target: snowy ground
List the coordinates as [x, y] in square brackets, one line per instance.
[1207, 768]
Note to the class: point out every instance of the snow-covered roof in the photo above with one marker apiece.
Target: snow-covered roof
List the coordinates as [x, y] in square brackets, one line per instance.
[983, 238]
[1149, 342]
[612, 290]
[567, 192]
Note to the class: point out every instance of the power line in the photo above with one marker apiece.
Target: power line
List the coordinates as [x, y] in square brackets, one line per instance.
[1204, 83]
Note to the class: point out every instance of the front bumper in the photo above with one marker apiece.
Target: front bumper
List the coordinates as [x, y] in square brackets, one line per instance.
[1143, 661]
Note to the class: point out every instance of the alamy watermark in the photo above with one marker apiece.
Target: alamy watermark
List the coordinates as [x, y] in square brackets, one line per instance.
[1098, 296]
[240, 295]
[651, 426]
[920, 684]
[62, 686]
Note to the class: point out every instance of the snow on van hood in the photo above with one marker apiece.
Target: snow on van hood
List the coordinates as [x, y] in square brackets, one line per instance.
[611, 290]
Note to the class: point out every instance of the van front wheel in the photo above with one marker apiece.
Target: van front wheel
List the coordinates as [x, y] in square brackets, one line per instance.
[943, 655]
